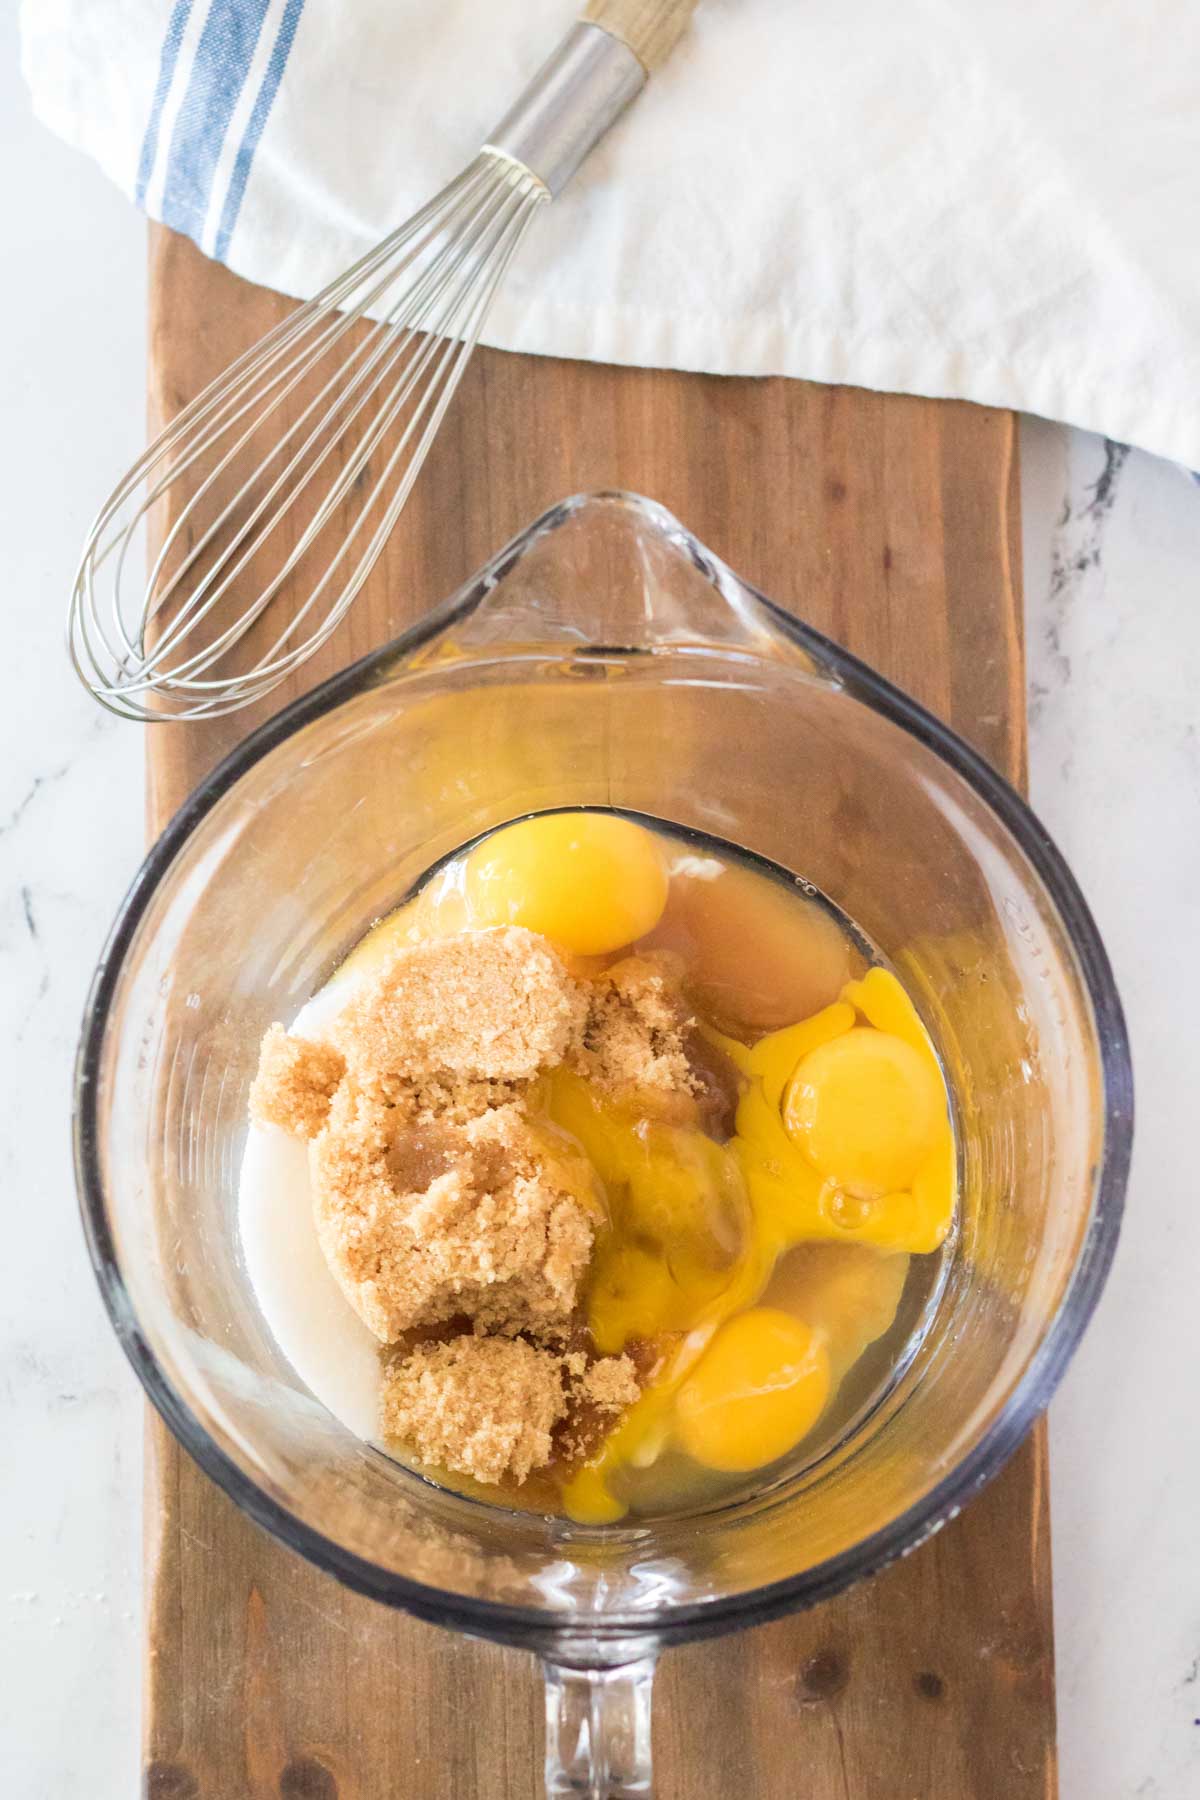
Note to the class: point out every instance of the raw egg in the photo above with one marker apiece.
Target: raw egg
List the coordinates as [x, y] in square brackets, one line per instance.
[843, 1130]
[849, 1291]
[590, 882]
[867, 1109]
[759, 1388]
[786, 957]
[678, 1214]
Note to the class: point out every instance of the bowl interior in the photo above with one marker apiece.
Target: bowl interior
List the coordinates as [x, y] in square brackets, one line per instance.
[681, 695]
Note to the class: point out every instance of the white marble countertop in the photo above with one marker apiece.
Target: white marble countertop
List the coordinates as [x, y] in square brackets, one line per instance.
[1112, 575]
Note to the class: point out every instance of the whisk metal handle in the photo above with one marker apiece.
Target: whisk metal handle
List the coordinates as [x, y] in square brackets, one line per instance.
[576, 95]
[568, 106]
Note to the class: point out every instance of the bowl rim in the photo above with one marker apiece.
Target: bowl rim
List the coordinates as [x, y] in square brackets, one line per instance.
[1031, 1391]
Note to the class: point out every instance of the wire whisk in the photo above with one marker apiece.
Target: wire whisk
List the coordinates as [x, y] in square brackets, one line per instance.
[288, 473]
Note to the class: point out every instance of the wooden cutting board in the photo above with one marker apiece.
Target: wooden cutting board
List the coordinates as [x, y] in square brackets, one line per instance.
[895, 522]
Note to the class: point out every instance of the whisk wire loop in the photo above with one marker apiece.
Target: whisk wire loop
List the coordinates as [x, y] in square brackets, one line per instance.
[282, 481]
[277, 448]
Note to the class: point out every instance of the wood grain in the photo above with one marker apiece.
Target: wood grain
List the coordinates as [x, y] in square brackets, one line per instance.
[891, 523]
[651, 28]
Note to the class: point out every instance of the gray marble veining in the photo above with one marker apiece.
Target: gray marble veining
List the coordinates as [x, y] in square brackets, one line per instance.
[1113, 584]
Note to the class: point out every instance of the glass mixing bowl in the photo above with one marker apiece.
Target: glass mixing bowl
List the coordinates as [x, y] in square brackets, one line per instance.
[605, 658]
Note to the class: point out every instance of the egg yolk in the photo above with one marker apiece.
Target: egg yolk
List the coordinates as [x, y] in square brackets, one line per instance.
[866, 1110]
[760, 1387]
[843, 1131]
[678, 1215]
[590, 882]
[775, 1058]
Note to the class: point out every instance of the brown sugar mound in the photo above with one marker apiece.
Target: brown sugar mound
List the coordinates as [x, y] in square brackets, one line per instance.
[488, 1406]
[636, 1030]
[295, 1083]
[421, 1222]
[477, 1405]
[487, 1006]
[442, 1200]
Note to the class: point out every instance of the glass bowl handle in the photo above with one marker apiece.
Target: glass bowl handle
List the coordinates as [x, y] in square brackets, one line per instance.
[598, 1730]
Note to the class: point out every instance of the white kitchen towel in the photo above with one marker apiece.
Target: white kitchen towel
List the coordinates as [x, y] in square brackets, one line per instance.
[968, 197]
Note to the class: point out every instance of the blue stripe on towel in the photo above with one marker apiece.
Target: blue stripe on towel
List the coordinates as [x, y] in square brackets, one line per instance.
[222, 62]
[258, 120]
[168, 57]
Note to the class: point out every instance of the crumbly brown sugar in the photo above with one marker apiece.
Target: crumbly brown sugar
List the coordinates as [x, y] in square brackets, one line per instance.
[610, 1384]
[440, 1197]
[486, 1006]
[489, 1406]
[481, 1406]
[421, 1223]
[295, 1083]
[635, 1031]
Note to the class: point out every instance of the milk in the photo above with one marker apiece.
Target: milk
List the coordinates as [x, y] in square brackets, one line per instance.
[313, 1323]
